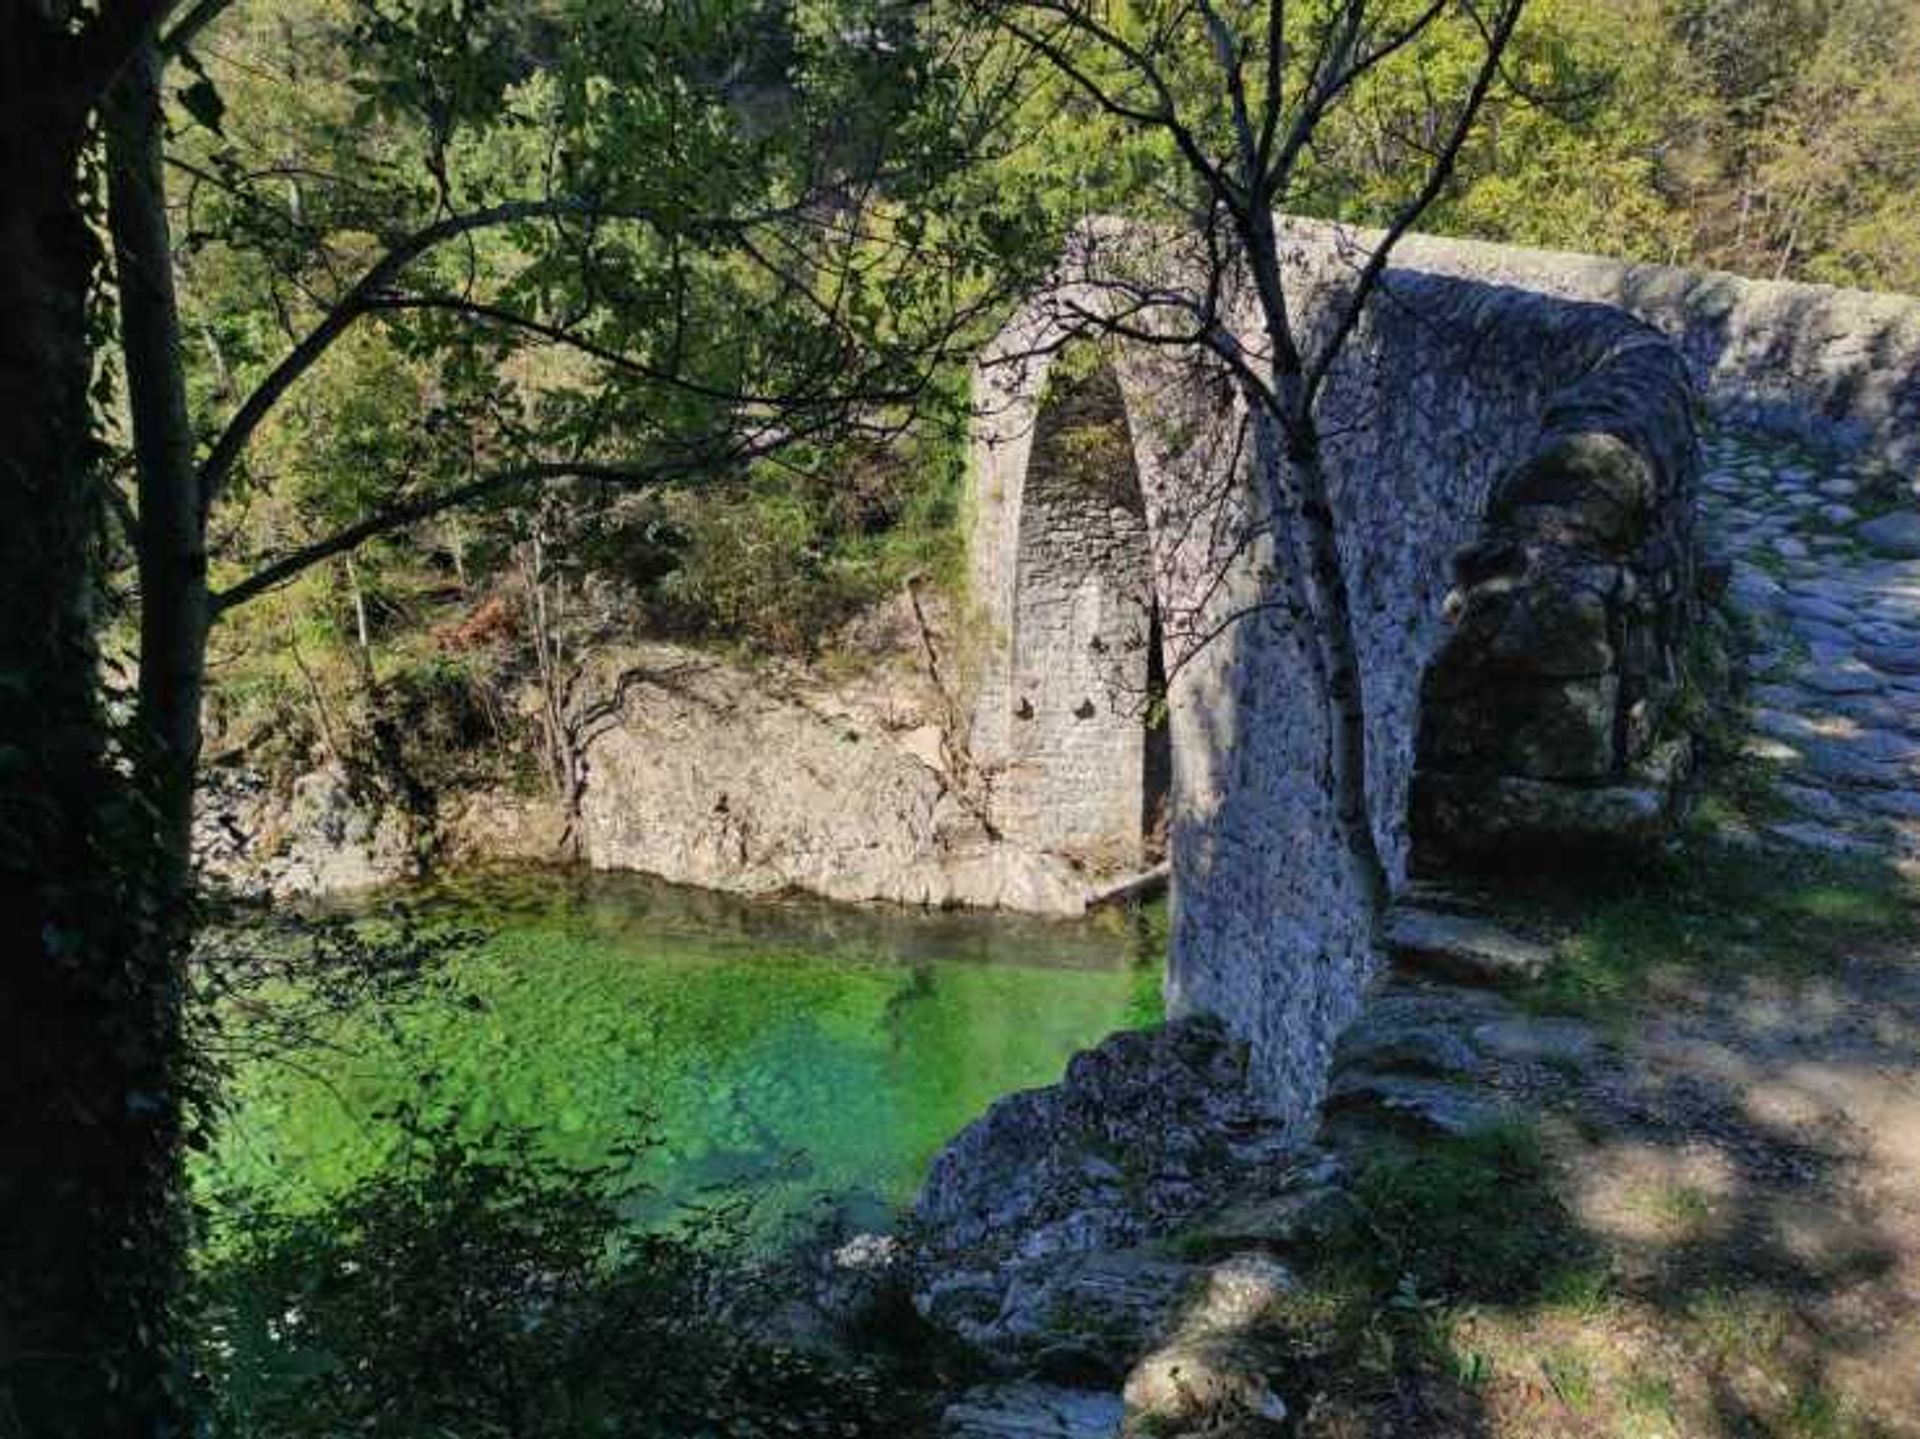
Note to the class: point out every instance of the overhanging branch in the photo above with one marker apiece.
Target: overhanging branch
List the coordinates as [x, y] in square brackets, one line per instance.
[398, 517]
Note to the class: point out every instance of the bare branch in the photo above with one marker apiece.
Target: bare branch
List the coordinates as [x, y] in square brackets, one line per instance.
[401, 516]
[1438, 175]
[183, 32]
[217, 469]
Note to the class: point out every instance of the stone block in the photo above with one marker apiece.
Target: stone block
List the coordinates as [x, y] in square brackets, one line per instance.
[1591, 488]
[1897, 535]
[1217, 1377]
[1554, 625]
[1458, 946]
[1549, 729]
[1481, 816]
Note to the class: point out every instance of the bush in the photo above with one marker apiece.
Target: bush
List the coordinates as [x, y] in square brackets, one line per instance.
[478, 1289]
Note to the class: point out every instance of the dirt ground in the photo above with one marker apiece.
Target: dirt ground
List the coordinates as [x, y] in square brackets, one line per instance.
[1749, 1159]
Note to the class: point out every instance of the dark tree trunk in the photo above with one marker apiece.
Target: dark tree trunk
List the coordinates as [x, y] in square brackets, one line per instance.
[88, 995]
[173, 561]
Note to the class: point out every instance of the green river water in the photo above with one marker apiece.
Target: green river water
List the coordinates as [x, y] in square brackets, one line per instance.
[815, 1055]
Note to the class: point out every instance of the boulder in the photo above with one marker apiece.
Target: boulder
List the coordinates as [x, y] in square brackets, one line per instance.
[1212, 1378]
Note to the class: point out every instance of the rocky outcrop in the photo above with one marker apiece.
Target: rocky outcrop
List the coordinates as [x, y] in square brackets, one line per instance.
[1146, 1130]
[1112, 1304]
[706, 773]
[322, 835]
[697, 770]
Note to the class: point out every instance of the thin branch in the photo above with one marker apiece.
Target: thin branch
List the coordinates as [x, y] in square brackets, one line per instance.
[401, 516]
[1437, 178]
[217, 469]
[182, 33]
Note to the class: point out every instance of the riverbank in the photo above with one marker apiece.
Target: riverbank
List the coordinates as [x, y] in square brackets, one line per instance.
[694, 769]
[1661, 1186]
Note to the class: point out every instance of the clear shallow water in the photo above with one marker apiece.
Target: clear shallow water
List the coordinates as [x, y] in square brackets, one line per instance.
[817, 1054]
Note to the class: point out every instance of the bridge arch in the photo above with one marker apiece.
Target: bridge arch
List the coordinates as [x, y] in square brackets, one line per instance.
[1450, 390]
[1069, 720]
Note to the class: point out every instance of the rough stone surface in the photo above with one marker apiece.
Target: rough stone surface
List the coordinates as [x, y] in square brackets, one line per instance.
[324, 836]
[1458, 946]
[1836, 642]
[1836, 369]
[711, 775]
[1145, 1130]
[1410, 1102]
[1190, 1329]
[1896, 534]
[1028, 1410]
[1204, 1377]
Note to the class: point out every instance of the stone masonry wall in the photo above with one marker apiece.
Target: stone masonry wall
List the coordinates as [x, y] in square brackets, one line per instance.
[1450, 386]
[1836, 368]
[1072, 774]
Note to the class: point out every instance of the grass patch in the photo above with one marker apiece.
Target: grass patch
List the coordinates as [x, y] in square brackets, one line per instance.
[1709, 909]
[1467, 1220]
[1439, 1229]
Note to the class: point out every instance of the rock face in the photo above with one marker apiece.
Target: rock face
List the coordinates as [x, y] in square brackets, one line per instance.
[1457, 946]
[1107, 1310]
[1146, 1130]
[323, 837]
[706, 774]
[698, 771]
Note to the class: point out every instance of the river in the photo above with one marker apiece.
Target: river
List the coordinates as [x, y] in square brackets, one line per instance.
[813, 1057]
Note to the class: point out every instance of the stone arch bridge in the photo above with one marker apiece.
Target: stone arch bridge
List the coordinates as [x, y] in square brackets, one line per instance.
[1512, 439]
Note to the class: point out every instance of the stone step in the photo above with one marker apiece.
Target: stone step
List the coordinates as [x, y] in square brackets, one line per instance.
[1463, 947]
[1029, 1410]
[1415, 1105]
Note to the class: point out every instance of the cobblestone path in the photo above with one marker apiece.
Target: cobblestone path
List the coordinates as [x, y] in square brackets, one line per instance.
[1826, 562]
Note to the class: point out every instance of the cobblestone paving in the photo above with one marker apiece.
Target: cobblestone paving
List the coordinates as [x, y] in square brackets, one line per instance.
[1826, 562]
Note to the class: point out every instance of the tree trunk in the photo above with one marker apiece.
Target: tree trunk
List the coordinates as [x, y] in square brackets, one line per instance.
[1299, 489]
[173, 562]
[89, 1052]
[1345, 683]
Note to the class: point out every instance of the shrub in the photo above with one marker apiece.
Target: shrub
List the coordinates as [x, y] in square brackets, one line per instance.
[476, 1288]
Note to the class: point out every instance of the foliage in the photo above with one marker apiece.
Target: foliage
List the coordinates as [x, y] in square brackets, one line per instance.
[783, 560]
[757, 246]
[473, 1287]
[1432, 1231]
[1773, 139]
